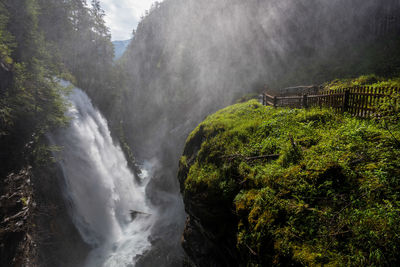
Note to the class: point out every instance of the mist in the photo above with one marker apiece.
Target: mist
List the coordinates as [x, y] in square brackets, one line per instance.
[191, 58]
[186, 60]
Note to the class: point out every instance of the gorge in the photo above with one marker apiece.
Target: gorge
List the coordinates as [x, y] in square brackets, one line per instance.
[100, 188]
[140, 167]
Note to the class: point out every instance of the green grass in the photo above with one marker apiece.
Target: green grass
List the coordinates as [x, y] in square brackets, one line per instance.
[332, 197]
[371, 80]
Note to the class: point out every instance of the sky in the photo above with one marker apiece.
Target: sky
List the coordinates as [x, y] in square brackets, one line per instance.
[122, 16]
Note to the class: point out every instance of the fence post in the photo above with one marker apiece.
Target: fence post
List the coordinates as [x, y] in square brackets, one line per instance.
[346, 100]
[275, 101]
[263, 99]
[304, 102]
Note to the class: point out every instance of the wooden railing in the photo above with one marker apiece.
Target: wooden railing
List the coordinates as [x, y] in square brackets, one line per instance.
[359, 101]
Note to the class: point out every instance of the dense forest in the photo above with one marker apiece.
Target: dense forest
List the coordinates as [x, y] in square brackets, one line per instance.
[41, 42]
[186, 60]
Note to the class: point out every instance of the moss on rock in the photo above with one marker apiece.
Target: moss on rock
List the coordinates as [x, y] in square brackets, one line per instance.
[295, 187]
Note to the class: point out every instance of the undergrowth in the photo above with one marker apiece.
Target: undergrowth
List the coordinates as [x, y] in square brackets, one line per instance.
[371, 80]
[308, 187]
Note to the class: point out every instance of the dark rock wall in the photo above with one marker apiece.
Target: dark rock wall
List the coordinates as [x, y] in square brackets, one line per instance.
[35, 227]
[208, 238]
[59, 242]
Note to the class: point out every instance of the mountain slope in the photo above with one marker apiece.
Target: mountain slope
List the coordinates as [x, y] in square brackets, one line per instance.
[191, 58]
[119, 48]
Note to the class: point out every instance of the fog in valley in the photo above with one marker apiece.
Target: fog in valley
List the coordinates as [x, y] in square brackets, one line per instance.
[130, 106]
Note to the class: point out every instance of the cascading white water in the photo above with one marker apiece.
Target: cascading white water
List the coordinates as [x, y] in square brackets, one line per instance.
[101, 188]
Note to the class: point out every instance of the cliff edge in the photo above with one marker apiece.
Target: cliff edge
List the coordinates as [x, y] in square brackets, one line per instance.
[282, 187]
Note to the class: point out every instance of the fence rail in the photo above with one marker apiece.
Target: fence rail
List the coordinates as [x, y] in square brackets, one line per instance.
[361, 101]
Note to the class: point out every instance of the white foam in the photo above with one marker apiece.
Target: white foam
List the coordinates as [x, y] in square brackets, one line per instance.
[101, 188]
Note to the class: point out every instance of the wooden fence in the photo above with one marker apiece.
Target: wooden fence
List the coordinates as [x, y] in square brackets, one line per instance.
[359, 101]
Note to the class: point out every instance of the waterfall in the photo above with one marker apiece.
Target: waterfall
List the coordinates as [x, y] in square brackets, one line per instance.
[100, 189]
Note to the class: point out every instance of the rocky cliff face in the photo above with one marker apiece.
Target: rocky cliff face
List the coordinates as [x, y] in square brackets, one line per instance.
[208, 237]
[35, 228]
[58, 241]
[17, 247]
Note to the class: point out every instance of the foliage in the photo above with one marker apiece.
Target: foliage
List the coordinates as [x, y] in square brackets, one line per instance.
[247, 97]
[80, 45]
[371, 80]
[31, 102]
[387, 115]
[331, 198]
[41, 40]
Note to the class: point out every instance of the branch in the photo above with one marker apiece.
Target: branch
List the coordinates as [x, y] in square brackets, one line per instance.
[271, 156]
[135, 213]
[394, 137]
[252, 251]
[294, 145]
[234, 156]
[20, 214]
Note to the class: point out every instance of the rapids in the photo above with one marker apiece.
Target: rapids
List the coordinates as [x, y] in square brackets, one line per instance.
[100, 188]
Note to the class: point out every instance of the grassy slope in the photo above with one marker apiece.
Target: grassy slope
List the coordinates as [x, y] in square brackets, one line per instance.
[364, 80]
[331, 198]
